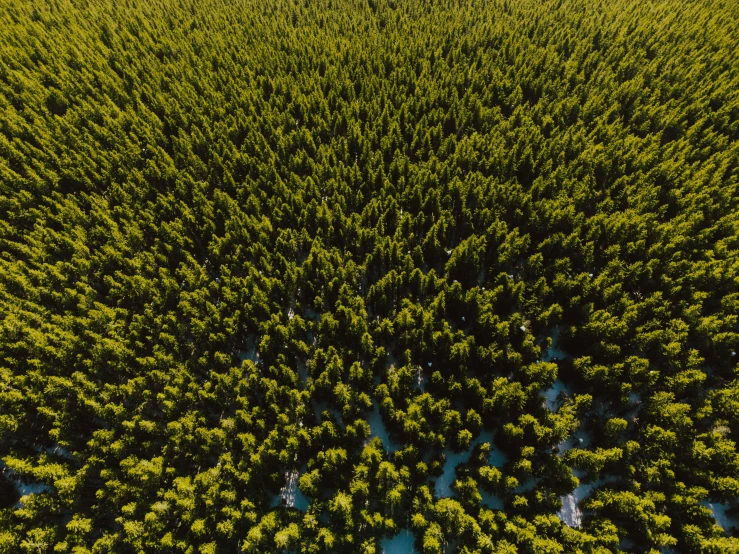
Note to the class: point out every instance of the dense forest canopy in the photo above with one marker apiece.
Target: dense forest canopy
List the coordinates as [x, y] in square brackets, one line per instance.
[369, 276]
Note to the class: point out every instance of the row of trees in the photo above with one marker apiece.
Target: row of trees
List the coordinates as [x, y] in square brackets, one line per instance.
[229, 232]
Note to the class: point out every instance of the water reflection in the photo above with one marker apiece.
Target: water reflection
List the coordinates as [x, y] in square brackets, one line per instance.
[724, 520]
[453, 459]
[22, 488]
[402, 543]
[555, 393]
[290, 495]
[378, 428]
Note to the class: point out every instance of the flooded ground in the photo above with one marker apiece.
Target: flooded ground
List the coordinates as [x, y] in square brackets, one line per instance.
[378, 429]
[290, 495]
[55, 450]
[421, 379]
[559, 390]
[311, 315]
[402, 543]
[24, 489]
[491, 501]
[725, 521]
[21, 487]
[452, 459]
[579, 439]
[302, 370]
[570, 514]
[553, 396]
[526, 486]
[446, 479]
[250, 352]
[554, 352]
[320, 407]
[59, 451]
[497, 457]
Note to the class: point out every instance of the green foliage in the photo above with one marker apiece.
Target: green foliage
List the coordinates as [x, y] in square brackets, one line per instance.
[239, 239]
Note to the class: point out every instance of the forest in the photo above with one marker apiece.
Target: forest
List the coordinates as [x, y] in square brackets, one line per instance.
[369, 276]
